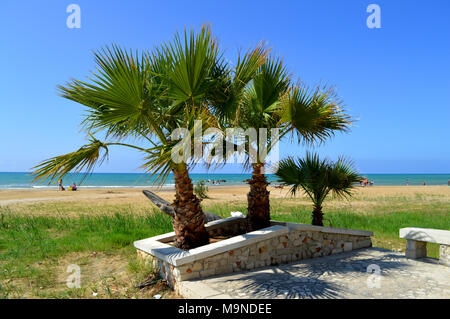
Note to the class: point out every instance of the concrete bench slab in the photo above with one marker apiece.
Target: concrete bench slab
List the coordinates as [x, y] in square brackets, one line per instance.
[417, 239]
[428, 235]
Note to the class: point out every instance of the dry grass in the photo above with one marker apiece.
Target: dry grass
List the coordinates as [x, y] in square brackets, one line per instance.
[88, 201]
[103, 275]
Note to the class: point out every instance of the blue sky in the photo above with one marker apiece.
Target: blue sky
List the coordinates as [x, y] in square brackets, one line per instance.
[394, 80]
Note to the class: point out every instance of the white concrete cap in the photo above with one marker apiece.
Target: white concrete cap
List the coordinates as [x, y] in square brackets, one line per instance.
[323, 229]
[178, 257]
[430, 235]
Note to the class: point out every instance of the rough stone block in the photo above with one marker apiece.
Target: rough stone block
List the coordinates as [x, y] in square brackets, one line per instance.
[363, 243]
[348, 246]
[207, 273]
[316, 235]
[297, 242]
[186, 276]
[197, 266]
[415, 249]
[337, 250]
[262, 249]
[223, 262]
[444, 255]
[242, 258]
[210, 265]
[224, 269]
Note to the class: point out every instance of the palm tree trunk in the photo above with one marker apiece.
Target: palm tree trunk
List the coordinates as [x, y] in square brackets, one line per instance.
[258, 200]
[189, 220]
[317, 216]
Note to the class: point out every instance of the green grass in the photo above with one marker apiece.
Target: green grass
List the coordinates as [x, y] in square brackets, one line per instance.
[37, 241]
[30, 247]
[39, 237]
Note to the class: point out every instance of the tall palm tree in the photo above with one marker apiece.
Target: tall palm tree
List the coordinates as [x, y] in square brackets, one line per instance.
[270, 101]
[143, 98]
[318, 178]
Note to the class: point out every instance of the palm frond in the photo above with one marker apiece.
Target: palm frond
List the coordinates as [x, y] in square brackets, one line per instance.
[246, 68]
[121, 96]
[314, 114]
[343, 177]
[317, 177]
[192, 66]
[84, 159]
[261, 100]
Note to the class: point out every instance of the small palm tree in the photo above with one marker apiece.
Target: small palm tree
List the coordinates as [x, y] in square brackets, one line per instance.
[317, 178]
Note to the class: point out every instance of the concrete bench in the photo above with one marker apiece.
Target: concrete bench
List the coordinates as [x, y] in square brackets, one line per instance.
[417, 239]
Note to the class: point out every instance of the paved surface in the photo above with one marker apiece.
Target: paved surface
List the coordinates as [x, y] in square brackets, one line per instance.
[339, 276]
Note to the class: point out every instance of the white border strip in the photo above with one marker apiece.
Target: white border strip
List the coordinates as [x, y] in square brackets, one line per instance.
[323, 229]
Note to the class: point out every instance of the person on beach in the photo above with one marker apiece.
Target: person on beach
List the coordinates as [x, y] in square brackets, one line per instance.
[74, 187]
[61, 187]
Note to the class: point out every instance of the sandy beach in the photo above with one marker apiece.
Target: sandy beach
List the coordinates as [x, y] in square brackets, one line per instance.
[216, 194]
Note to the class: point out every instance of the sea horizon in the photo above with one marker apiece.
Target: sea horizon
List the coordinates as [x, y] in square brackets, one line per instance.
[23, 180]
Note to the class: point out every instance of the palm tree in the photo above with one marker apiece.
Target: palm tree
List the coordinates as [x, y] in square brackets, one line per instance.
[143, 98]
[272, 101]
[317, 178]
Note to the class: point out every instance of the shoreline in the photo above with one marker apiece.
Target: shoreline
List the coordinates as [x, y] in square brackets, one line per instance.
[171, 186]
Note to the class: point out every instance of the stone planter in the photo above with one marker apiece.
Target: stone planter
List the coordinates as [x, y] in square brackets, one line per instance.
[281, 243]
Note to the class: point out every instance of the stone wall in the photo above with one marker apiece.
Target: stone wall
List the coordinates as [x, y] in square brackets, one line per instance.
[291, 246]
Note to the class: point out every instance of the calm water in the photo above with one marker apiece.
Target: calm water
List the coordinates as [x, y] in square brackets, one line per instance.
[24, 180]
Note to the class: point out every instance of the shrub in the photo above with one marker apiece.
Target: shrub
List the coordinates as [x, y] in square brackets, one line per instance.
[200, 189]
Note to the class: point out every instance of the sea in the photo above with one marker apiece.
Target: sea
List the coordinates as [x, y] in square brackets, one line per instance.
[22, 180]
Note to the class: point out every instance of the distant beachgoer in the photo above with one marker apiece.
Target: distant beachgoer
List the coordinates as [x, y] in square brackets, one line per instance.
[61, 187]
[74, 187]
[407, 182]
[423, 183]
